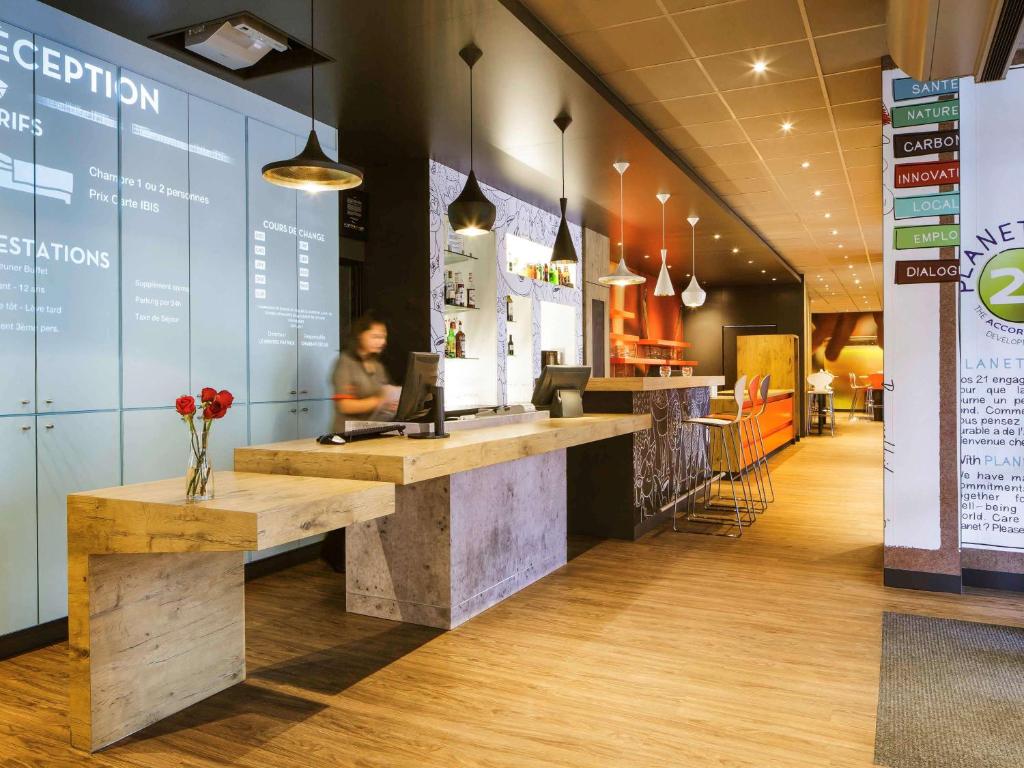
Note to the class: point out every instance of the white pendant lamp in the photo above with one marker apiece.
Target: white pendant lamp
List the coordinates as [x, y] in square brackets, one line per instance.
[664, 285]
[694, 295]
[621, 275]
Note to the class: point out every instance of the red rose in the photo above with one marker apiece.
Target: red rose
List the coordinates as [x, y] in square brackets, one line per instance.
[225, 398]
[207, 395]
[185, 405]
[215, 410]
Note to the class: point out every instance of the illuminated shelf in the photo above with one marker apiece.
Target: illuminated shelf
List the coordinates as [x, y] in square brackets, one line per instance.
[623, 337]
[454, 257]
[664, 343]
[651, 361]
[462, 358]
[456, 308]
[622, 313]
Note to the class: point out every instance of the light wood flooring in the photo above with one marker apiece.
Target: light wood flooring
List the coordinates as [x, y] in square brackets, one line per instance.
[678, 650]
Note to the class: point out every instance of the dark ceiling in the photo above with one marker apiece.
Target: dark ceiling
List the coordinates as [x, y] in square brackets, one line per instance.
[398, 89]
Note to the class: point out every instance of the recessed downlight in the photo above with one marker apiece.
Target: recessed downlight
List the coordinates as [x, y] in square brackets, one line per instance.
[805, 164]
[817, 193]
[735, 250]
[828, 215]
[786, 127]
[760, 66]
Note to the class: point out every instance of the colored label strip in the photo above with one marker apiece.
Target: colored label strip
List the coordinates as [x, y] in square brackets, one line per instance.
[905, 88]
[927, 174]
[925, 143]
[923, 114]
[929, 236]
[945, 204]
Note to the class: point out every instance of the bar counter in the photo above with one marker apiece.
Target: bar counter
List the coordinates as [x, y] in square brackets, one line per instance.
[623, 487]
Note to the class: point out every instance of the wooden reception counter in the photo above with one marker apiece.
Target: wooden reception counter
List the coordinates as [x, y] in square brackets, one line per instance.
[479, 515]
[624, 487]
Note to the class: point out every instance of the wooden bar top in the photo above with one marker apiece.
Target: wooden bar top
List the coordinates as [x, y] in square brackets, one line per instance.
[402, 460]
[248, 512]
[652, 383]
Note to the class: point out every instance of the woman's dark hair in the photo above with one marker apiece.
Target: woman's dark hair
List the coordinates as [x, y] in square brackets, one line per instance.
[361, 325]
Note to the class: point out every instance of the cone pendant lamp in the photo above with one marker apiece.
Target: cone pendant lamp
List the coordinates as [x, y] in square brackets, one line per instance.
[311, 170]
[664, 285]
[621, 275]
[564, 251]
[471, 213]
[694, 295]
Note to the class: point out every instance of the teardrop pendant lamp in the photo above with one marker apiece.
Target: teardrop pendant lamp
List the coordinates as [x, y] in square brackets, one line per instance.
[564, 251]
[664, 285]
[621, 275]
[311, 170]
[471, 213]
[694, 295]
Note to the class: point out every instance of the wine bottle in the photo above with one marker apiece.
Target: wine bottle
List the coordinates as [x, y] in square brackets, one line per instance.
[470, 292]
[460, 291]
[460, 342]
[508, 310]
[511, 346]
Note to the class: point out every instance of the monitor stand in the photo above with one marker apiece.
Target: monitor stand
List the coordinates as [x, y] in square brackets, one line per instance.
[437, 414]
[566, 404]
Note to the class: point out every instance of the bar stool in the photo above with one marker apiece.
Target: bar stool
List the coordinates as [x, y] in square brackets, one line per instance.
[699, 473]
[857, 388]
[757, 440]
[747, 427]
[821, 400]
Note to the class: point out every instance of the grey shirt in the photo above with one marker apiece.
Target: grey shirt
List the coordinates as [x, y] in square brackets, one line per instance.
[355, 378]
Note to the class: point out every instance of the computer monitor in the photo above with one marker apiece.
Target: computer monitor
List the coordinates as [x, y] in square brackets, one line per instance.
[417, 398]
[560, 388]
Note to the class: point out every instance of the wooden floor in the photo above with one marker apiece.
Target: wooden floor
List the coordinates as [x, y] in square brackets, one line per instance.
[677, 650]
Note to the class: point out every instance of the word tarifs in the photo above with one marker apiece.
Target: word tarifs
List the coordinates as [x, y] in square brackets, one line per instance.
[64, 67]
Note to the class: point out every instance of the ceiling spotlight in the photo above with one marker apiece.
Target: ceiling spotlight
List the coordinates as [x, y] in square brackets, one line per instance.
[856, 282]
[763, 271]
[817, 193]
[835, 231]
[787, 127]
[828, 215]
[805, 164]
[773, 279]
[760, 66]
[849, 266]
[840, 245]
[750, 261]
[735, 250]
[717, 236]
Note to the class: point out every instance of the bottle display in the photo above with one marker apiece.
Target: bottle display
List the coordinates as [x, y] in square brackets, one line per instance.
[511, 347]
[449, 346]
[460, 291]
[509, 313]
[470, 292]
[460, 341]
[449, 287]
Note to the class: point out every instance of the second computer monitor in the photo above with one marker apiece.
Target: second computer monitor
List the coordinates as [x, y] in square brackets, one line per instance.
[556, 377]
[417, 396]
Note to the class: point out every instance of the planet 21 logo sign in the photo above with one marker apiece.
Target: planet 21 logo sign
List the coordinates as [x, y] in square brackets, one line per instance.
[1000, 283]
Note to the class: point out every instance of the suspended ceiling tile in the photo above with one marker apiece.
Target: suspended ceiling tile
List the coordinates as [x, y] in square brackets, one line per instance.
[567, 16]
[868, 136]
[656, 117]
[769, 126]
[858, 85]
[790, 61]
[745, 186]
[730, 153]
[872, 174]
[705, 135]
[657, 83]
[743, 24]
[639, 44]
[863, 156]
[852, 50]
[697, 109]
[793, 166]
[776, 99]
[733, 171]
[797, 146]
[675, 6]
[828, 16]
[861, 114]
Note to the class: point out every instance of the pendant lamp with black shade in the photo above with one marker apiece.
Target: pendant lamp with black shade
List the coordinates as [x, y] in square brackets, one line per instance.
[471, 213]
[311, 170]
[621, 275]
[564, 251]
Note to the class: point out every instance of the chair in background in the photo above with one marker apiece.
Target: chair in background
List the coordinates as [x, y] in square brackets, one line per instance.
[821, 400]
[857, 389]
[873, 394]
[721, 439]
[757, 436]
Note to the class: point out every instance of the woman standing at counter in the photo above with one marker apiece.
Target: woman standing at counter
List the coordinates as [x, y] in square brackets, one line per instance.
[362, 385]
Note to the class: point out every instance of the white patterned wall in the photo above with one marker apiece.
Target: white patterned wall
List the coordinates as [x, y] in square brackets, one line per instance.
[514, 217]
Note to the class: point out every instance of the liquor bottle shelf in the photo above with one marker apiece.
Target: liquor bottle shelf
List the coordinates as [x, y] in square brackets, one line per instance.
[454, 308]
[454, 257]
[664, 343]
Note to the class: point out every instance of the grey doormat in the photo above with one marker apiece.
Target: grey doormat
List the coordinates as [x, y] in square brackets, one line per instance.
[951, 694]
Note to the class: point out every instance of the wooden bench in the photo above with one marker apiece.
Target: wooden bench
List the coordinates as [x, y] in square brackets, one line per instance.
[156, 587]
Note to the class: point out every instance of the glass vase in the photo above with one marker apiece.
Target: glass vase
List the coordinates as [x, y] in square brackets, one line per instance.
[198, 477]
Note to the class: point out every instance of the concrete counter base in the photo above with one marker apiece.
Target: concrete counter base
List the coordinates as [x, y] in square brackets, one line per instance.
[458, 544]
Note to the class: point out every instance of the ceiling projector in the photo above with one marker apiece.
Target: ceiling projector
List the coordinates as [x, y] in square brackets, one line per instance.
[235, 43]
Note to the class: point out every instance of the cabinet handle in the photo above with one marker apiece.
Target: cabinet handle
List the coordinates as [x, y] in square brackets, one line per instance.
[292, 392]
[49, 426]
[292, 411]
[305, 410]
[25, 402]
[48, 402]
[303, 391]
[25, 429]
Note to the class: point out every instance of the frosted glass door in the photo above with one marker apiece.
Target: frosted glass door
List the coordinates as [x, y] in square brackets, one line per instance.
[77, 452]
[18, 579]
[273, 360]
[77, 307]
[17, 230]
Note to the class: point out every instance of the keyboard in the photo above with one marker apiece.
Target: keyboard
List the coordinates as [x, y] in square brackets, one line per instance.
[364, 433]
